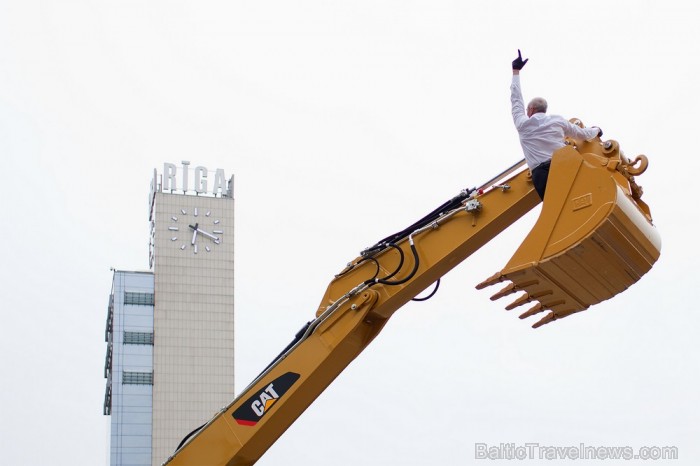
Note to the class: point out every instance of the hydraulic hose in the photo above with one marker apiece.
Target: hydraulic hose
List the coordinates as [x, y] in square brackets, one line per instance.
[437, 285]
[384, 281]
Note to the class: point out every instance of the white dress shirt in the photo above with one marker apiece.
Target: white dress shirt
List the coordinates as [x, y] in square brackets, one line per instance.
[542, 134]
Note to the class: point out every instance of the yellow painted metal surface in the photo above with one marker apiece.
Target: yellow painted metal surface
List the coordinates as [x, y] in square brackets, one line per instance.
[594, 238]
[352, 312]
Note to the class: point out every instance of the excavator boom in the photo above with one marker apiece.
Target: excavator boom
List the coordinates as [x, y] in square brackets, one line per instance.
[616, 232]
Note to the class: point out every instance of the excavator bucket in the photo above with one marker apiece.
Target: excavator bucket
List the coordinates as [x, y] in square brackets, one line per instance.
[594, 237]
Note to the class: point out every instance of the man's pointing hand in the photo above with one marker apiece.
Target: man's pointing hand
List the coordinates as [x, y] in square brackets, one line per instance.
[518, 63]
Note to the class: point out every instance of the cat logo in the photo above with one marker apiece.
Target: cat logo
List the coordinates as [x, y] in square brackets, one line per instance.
[267, 398]
[255, 407]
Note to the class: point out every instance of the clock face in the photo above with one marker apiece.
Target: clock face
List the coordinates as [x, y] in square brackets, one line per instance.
[195, 230]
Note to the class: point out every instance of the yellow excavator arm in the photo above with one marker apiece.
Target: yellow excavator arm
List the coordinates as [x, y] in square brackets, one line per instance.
[593, 239]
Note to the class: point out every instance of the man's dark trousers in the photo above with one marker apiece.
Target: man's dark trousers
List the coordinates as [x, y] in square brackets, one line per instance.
[539, 177]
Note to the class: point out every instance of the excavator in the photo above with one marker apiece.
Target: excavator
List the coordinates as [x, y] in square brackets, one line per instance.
[593, 239]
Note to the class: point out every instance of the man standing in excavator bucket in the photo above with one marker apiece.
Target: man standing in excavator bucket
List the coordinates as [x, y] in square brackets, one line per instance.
[540, 134]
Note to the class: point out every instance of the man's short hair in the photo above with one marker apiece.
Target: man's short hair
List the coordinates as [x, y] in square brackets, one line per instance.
[538, 105]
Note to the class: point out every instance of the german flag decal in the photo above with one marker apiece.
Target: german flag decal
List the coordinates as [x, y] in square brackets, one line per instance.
[255, 407]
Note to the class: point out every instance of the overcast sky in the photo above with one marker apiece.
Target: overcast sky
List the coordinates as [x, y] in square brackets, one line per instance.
[343, 122]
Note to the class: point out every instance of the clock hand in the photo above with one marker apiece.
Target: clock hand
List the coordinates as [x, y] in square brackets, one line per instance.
[194, 235]
[210, 236]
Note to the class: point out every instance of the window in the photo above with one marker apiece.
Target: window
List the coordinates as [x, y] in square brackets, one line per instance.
[110, 319]
[138, 338]
[137, 378]
[141, 299]
[108, 360]
[107, 406]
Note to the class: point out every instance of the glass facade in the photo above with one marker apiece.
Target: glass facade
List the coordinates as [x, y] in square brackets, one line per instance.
[129, 368]
[138, 298]
[138, 338]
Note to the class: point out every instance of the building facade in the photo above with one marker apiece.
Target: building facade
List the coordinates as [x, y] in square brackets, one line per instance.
[129, 367]
[191, 260]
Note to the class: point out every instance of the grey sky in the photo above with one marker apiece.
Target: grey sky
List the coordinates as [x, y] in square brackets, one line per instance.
[343, 122]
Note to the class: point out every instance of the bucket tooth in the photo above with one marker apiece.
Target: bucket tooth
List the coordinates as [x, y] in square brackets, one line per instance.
[523, 299]
[492, 280]
[510, 289]
[533, 310]
[522, 283]
[529, 297]
[556, 306]
[545, 320]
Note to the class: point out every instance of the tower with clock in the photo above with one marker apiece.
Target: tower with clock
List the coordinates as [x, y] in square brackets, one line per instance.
[191, 256]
